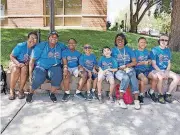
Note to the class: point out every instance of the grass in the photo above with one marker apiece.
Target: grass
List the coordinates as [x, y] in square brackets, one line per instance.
[98, 39]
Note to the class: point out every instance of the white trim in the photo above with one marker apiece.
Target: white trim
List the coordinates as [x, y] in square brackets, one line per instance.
[41, 16]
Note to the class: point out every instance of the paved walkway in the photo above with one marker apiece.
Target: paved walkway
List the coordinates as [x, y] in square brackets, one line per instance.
[77, 117]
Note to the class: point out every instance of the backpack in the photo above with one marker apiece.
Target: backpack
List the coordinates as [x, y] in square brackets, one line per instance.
[3, 82]
[127, 97]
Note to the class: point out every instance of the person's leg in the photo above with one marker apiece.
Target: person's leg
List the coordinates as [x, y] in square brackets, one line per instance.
[89, 86]
[143, 81]
[172, 86]
[55, 75]
[94, 79]
[38, 78]
[23, 78]
[112, 85]
[154, 80]
[101, 77]
[15, 73]
[174, 83]
[160, 76]
[124, 79]
[83, 80]
[66, 82]
[134, 88]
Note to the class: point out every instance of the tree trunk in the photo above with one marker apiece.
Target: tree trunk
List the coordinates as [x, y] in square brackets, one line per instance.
[133, 28]
[175, 27]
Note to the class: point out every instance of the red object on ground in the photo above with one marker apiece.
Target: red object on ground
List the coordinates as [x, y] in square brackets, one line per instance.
[127, 97]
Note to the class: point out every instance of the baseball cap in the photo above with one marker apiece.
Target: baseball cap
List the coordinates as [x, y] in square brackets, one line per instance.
[53, 33]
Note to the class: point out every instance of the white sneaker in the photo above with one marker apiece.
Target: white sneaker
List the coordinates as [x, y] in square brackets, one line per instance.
[137, 104]
[122, 104]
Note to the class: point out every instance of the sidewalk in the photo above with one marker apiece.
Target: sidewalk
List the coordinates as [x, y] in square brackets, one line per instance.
[77, 117]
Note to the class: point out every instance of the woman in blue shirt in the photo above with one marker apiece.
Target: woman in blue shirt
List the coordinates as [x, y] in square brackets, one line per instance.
[126, 74]
[19, 64]
[161, 63]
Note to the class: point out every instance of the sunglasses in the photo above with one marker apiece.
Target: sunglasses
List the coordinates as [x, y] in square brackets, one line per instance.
[164, 40]
[87, 47]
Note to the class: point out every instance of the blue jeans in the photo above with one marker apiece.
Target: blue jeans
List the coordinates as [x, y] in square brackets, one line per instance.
[54, 74]
[127, 79]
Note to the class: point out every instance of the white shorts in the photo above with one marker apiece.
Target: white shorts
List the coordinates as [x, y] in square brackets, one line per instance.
[108, 76]
[74, 71]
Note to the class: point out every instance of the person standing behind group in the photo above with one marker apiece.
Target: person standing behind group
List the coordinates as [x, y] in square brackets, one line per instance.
[161, 63]
[19, 64]
[89, 63]
[71, 67]
[45, 64]
[126, 74]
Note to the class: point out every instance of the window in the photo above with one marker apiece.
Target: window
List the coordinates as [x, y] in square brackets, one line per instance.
[66, 12]
[4, 20]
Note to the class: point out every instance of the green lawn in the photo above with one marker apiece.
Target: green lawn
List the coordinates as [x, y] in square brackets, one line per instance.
[98, 39]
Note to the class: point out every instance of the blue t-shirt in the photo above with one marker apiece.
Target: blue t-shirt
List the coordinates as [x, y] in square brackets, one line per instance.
[22, 52]
[123, 56]
[106, 63]
[88, 61]
[161, 56]
[45, 56]
[72, 57]
[142, 56]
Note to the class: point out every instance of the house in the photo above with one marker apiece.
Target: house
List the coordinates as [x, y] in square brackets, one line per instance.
[81, 14]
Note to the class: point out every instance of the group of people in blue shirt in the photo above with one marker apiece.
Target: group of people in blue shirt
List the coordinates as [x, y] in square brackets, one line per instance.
[57, 62]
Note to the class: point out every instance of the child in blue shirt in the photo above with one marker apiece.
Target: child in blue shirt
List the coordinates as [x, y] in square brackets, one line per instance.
[89, 63]
[142, 67]
[161, 63]
[107, 66]
[71, 67]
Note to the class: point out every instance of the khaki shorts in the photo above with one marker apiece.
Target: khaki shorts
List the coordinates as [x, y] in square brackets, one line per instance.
[108, 76]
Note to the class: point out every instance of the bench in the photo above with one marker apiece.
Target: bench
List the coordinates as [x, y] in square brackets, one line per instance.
[74, 83]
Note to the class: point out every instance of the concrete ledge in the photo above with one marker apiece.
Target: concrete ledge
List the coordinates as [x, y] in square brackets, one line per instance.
[74, 84]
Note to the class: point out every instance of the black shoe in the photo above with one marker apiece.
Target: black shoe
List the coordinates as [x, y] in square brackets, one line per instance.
[53, 97]
[29, 97]
[153, 96]
[66, 97]
[93, 95]
[141, 99]
[89, 97]
[168, 98]
[80, 95]
[161, 99]
[107, 94]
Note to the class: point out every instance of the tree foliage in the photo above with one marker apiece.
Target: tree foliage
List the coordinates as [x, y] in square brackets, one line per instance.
[135, 16]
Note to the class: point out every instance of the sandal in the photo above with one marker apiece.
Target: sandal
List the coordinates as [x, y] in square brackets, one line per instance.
[21, 95]
[12, 97]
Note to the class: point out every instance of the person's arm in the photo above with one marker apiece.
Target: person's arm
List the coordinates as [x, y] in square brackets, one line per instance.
[112, 69]
[15, 61]
[155, 66]
[16, 52]
[169, 66]
[31, 67]
[132, 64]
[65, 67]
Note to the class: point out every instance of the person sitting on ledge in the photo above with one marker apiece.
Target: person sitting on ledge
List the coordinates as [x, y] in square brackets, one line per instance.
[19, 64]
[45, 63]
